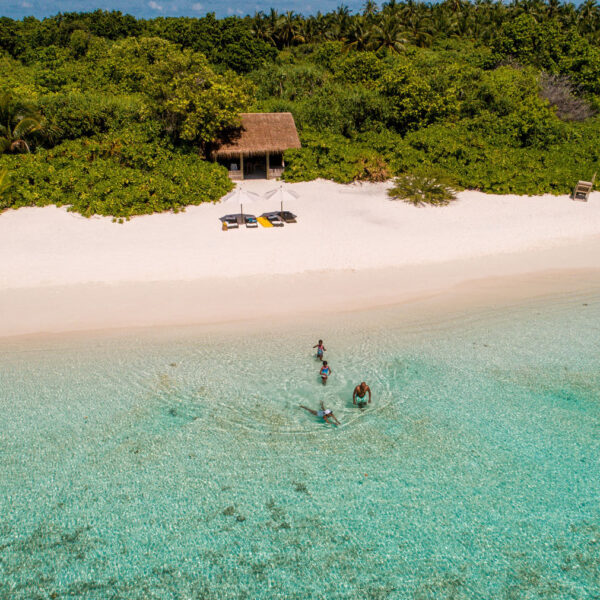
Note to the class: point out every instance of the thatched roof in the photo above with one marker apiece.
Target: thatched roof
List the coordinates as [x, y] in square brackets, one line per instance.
[260, 133]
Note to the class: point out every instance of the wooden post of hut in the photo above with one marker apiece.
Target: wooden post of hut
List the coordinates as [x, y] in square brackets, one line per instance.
[267, 163]
[241, 165]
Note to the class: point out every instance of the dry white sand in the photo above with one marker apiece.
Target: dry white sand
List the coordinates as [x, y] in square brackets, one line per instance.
[351, 247]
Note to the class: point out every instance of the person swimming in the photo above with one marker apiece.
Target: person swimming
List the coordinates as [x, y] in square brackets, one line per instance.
[324, 413]
[320, 349]
[360, 394]
[325, 372]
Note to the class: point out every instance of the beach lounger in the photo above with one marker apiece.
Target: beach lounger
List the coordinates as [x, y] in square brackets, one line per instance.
[250, 221]
[232, 221]
[274, 218]
[583, 189]
[288, 217]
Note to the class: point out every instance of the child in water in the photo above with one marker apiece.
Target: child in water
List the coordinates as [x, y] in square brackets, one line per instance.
[325, 372]
[320, 349]
[324, 413]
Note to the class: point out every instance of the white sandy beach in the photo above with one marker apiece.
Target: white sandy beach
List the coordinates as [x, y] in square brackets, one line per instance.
[351, 248]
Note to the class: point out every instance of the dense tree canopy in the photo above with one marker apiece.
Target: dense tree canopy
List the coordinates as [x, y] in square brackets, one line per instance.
[114, 115]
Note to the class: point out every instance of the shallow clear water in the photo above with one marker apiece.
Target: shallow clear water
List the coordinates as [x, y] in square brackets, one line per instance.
[177, 464]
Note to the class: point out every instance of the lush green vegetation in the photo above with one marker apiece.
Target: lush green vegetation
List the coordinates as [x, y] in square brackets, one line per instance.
[113, 115]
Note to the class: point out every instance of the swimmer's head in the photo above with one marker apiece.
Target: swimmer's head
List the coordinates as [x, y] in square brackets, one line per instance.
[320, 341]
[324, 363]
[363, 384]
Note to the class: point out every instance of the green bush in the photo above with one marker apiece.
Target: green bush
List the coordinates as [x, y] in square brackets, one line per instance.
[358, 67]
[84, 114]
[120, 175]
[492, 164]
[336, 158]
[413, 101]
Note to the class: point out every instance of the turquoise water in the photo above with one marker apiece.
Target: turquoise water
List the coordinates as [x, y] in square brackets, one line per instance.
[177, 464]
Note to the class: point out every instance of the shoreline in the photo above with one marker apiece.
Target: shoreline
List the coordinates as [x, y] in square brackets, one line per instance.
[256, 303]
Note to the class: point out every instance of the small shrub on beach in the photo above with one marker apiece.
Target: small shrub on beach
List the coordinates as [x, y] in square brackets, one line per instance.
[418, 189]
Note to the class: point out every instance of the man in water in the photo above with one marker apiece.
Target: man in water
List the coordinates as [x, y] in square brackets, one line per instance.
[360, 394]
[324, 413]
[325, 372]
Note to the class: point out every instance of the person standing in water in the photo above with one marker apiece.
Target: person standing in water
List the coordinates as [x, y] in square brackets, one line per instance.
[325, 372]
[324, 413]
[320, 349]
[360, 394]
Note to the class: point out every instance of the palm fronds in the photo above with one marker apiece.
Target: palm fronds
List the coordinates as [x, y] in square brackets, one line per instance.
[419, 190]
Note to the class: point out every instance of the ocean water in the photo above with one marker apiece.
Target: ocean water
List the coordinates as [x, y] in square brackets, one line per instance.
[17, 9]
[163, 464]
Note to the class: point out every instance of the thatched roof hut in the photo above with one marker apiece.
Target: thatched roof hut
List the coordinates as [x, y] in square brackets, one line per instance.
[260, 133]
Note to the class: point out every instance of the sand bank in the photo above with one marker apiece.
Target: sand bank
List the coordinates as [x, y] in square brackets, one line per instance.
[352, 248]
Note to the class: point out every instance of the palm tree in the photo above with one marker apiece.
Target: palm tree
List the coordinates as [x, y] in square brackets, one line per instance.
[306, 30]
[359, 35]
[390, 7]
[370, 9]
[341, 18]
[410, 9]
[420, 189]
[261, 28]
[389, 34]
[553, 8]
[489, 16]
[287, 32]
[455, 6]
[588, 17]
[443, 24]
[18, 121]
[271, 23]
[319, 26]
[534, 8]
[418, 30]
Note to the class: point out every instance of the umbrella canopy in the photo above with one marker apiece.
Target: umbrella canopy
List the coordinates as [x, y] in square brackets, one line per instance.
[281, 195]
[240, 196]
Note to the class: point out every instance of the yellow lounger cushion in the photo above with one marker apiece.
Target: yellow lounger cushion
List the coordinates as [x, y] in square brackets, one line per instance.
[264, 222]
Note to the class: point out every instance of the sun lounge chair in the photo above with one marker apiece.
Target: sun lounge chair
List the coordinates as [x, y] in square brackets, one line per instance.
[250, 221]
[287, 216]
[583, 188]
[274, 218]
[232, 221]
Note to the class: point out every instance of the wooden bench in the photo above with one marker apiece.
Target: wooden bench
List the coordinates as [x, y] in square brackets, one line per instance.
[583, 189]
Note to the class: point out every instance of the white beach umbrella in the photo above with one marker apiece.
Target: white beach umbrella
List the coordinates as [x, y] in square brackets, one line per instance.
[240, 196]
[282, 195]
